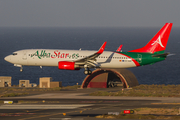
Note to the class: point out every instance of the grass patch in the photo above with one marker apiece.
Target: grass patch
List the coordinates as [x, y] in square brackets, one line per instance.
[100, 93]
[157, 111]
[147, 113]
[72, 87]
[36, 102]
[133, 116]
[145, 91]
[30, 89]
[38, 89]
[14, 94]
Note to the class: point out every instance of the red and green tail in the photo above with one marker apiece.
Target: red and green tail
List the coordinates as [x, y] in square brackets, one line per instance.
[158, 42]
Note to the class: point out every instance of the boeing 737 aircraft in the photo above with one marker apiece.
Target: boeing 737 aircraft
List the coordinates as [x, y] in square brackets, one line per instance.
[76, 59]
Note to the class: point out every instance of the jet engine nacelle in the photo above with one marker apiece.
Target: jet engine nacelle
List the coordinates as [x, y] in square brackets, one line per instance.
[66, 65]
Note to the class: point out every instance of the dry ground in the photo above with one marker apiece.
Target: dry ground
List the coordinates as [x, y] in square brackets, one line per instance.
[145, 91]
[148, 113]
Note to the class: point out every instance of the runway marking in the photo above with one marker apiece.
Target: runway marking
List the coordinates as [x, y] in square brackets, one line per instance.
[66, 118]
[54, 106]
[53, 114]
[165, 103]
[48, 115]
[15, 114]
[34, 110]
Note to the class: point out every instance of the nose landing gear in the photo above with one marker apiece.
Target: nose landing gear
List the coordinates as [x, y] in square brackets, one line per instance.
[21, 69]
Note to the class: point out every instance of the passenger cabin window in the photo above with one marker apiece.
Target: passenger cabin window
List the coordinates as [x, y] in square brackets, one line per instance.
[14, 53]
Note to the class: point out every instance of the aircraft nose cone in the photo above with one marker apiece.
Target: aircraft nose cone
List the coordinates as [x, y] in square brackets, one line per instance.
[7, 58]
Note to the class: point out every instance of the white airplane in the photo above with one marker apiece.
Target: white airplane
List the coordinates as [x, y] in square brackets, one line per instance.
[76, 59]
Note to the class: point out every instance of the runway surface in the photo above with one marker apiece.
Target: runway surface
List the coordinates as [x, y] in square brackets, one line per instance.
[75, 105]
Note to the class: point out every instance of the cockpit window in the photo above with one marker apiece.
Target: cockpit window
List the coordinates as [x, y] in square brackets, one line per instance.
[14, 53]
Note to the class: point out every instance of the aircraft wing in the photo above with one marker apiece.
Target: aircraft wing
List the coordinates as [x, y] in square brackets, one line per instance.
[91, 59]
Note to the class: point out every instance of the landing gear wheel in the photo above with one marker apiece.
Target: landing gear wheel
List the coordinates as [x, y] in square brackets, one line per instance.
[87, 72]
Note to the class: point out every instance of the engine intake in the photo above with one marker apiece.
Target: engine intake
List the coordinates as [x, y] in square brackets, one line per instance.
[66, 65]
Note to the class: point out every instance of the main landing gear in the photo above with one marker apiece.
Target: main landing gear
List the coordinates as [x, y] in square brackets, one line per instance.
[87, 71]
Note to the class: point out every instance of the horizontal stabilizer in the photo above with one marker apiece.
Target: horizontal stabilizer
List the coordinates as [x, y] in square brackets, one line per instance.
[161, 55]
[170, 55]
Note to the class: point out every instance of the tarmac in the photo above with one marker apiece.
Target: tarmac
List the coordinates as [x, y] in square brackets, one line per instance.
[76, 105]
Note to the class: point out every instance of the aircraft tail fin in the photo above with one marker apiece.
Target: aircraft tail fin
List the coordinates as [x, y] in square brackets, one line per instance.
[158, 42]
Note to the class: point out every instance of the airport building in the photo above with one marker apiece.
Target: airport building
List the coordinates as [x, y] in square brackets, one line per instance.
[5, 81]
[46, 82]
[100, 78]
[104, 78]
[25, 83]
[54, 84]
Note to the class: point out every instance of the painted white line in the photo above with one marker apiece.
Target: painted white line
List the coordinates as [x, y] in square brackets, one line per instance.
[34, 106]
[66, 118]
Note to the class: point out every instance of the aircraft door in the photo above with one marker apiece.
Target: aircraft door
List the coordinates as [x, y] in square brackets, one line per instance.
[139, 58]
[24, 55]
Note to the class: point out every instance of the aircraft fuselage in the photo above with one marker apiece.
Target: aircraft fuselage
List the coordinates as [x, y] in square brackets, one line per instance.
[108, 59]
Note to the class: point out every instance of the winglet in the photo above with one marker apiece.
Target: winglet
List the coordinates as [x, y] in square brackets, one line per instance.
[119, 49]
[100, 51]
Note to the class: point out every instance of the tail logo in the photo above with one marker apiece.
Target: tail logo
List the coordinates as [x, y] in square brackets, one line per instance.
[158, 41]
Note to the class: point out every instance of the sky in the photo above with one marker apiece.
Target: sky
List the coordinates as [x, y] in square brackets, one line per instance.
[89, 13]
